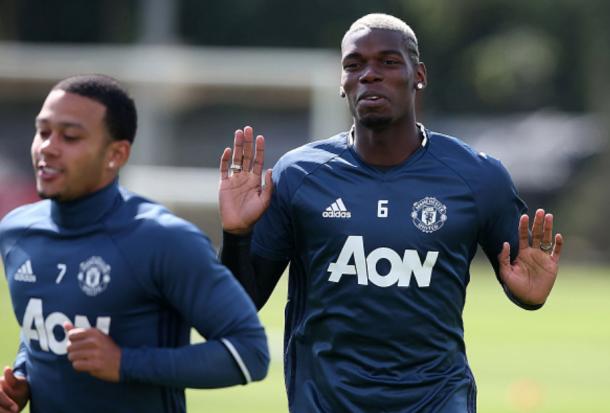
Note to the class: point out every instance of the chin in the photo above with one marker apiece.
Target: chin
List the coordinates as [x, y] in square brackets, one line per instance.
[375, 122]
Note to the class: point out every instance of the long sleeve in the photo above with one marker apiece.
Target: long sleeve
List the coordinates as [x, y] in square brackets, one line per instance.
[19, 366]
[193, 281]
[257, 275]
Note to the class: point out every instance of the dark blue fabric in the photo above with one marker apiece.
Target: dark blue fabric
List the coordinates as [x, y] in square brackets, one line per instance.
[146, 275]
[379, 269]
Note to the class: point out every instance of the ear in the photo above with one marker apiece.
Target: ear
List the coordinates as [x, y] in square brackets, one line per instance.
[420, 76]
[117, 154]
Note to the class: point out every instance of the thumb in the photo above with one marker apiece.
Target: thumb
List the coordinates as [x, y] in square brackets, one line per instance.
[68, 326]
[9, 376]
[504, 260]
[268, 181]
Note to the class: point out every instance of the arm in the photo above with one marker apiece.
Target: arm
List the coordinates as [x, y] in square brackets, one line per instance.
[532, 274]
[205, 294]
[257, 275]
[187, 276]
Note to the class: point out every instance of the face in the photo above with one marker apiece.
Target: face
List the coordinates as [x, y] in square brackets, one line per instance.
[71, 150]
[378, 77]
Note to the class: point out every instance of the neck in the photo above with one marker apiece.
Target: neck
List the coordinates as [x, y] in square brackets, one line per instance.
[386, 146]
[87, 210]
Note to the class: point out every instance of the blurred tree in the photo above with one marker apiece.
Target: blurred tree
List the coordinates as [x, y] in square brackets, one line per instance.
[492, 56]
[70, 21]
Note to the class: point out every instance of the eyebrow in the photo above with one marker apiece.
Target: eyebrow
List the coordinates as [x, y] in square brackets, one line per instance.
[64, 124]
[383, 52]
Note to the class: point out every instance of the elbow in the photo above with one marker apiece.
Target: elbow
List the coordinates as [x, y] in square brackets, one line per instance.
[261, 361]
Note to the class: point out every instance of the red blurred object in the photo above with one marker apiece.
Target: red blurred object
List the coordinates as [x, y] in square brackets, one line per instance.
[16, 190]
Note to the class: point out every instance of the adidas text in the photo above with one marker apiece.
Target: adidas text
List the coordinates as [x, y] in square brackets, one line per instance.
[336, 214]
[337, 210]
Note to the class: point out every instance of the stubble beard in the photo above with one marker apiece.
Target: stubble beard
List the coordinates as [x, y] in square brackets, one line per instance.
[376, 122]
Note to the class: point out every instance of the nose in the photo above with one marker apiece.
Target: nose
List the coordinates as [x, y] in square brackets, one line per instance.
[49, 145]
[370, 75]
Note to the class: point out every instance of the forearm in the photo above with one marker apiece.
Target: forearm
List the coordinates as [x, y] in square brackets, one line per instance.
[257, 275]
[213, 364]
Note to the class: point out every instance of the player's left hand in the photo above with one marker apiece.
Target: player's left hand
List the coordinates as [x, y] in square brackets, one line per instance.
[93, 352]
[532, 274]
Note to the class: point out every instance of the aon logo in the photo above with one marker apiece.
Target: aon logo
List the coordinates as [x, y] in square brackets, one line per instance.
[35, 327]
[365, 268]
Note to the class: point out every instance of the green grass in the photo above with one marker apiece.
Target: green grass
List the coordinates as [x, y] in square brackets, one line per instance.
[554, 360]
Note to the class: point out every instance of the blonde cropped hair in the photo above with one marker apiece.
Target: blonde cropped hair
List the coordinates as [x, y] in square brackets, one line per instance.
[387, 22]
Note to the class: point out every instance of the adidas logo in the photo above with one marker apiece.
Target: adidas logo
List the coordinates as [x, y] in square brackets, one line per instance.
[337, 210]
[25, 273]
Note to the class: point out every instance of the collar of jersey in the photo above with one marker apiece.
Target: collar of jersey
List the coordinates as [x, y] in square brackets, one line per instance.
[87, 210]
[411, 159]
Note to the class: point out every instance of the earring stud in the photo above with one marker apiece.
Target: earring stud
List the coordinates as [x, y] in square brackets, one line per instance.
[420, 85]
[111, 164]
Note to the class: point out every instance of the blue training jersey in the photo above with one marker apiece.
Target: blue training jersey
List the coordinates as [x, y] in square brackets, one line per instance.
[379, 265]
[127, 266]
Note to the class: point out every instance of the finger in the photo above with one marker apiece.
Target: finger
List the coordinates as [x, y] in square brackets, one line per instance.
[224, 164]
[82, 364]
[248, 148]
[259, 158]
[9, 383]
[537, 228]
[547, 233]
[7, 405]
[558, 247]
[238, 147]
[68, 326]
[504, 260]
[524, 234]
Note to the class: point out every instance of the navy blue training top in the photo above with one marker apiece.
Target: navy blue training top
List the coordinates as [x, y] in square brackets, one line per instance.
[379, 265]
[126, 265]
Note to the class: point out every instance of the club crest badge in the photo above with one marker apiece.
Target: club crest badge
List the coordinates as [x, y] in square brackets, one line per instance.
[429, 214]
[94, 276]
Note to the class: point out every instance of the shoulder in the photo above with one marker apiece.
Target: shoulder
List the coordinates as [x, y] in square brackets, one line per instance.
[152, 219]
[26, 215]
[17, 222]
[470, 164]
[311, 156]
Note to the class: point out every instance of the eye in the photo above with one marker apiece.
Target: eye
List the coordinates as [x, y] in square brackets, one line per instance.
[351, 65]
[43, 133]
[70, 138]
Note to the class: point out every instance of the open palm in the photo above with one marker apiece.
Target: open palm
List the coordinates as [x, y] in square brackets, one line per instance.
[532, 274]
[242, 198]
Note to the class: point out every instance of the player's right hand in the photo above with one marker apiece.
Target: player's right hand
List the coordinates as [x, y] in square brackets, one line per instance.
[242, 199]
[14, 392]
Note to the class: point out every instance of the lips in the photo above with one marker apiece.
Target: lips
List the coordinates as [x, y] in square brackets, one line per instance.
[372, 99]
[48, 172]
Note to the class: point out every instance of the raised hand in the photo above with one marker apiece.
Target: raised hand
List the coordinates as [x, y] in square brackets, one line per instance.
[14, 392]
[241, 196]
[532, 274]
[93, 352]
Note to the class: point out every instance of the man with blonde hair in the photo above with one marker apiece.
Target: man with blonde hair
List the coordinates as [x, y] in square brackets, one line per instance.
[379, 225]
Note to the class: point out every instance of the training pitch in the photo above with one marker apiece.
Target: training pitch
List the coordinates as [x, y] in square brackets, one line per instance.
[555, 360]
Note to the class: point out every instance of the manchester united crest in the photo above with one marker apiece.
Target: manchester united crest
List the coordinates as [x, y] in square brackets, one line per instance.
[94, 276]
[429, 214]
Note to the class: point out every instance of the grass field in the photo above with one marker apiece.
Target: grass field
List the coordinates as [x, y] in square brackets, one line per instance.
[555, 360]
